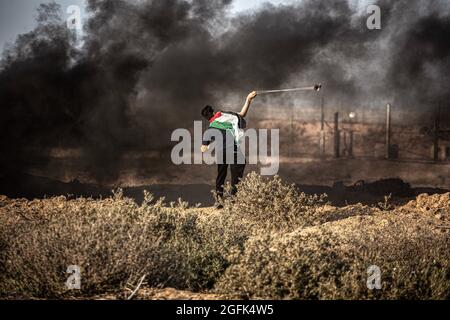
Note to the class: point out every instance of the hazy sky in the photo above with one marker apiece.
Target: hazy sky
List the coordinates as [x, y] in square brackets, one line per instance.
[17, 16]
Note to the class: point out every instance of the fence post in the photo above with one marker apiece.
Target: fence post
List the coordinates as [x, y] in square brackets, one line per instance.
[322, 129]
[436, 137]
[388, 131]
[337, 136]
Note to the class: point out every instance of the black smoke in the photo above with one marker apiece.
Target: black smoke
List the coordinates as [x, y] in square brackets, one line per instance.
[147, 67]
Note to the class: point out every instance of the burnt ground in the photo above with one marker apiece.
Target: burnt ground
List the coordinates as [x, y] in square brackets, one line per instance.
[345, 181]
[368, 193]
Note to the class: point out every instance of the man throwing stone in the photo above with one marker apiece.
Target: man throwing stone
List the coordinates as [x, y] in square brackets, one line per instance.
[226, 129]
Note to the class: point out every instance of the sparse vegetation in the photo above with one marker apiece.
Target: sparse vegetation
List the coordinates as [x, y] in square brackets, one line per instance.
[270, 242]
[271, 204]
[114, 241]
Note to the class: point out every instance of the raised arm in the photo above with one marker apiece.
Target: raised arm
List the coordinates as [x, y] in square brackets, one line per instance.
[247, 104]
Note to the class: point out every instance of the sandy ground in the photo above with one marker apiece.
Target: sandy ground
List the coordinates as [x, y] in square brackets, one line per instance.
[160, 294]
[431, 210]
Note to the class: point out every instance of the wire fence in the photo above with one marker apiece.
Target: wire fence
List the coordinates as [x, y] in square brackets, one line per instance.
[361, 131]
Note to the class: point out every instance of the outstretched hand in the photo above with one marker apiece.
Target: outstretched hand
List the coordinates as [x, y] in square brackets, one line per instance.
[252, 95]
[247, 104]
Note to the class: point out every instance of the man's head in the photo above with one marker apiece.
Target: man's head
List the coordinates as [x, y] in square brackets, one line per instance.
[208, 112]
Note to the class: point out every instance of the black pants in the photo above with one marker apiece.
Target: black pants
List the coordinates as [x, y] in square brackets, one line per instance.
[237, 172]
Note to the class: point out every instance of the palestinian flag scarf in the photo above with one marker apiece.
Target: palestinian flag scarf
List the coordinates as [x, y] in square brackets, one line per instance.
[227, 121]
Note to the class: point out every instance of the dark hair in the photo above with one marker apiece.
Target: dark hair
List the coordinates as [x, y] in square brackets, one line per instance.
[208, 112]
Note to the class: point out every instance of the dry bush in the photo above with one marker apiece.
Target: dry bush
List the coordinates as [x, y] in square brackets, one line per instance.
[271, 241]
[114, 241]
[330, 262]
[272, 204]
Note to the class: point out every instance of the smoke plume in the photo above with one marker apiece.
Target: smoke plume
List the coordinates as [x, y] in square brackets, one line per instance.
[147, 67]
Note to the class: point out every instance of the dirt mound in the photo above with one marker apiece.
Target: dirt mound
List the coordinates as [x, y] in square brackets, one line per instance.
[436, 204]
[174, 294]
[330, 261]
[157, 294]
